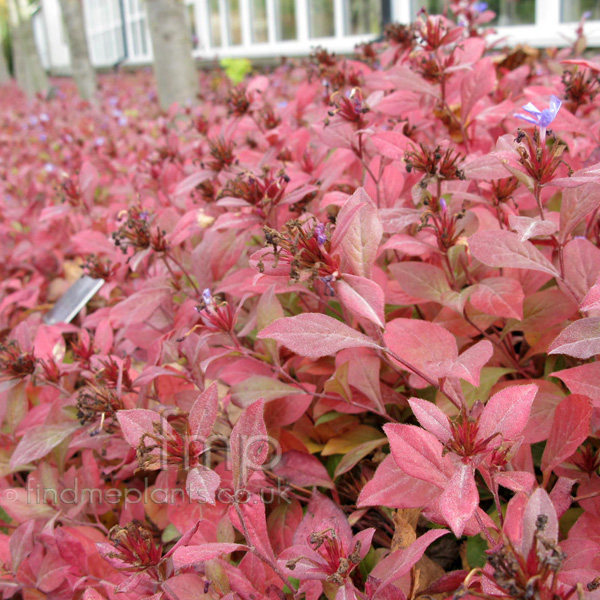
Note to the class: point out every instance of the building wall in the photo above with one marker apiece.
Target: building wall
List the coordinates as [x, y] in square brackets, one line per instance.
[118, 32]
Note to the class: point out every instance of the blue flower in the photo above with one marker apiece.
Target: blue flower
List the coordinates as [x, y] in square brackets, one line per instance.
[480, 7]
[319, 234]
[543, 118]
[207, 297]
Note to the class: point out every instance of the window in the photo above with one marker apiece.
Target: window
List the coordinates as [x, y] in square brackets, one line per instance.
[286, 19]
[508, 12]
[138, 42]
[260, 32]
[235, 23]
[573, 9]
[104, 29]
[363, 16]
[215, 23]
[321, 21]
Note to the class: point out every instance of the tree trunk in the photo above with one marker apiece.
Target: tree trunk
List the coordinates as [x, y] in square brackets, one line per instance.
[29, 71]
[83, 72]
[174, 68]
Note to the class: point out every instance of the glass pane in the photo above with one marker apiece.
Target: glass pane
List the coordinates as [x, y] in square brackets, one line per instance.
[434, 7]
[143, 34]
[321, 18]
[513, 12]
[573, 9]
[286, 19]
[191, 15]
[508, 12]
[136, 39]
[363, 16]
[259, 22]
[119, 39]
[106, 49]
[215, 23]
[235, 25]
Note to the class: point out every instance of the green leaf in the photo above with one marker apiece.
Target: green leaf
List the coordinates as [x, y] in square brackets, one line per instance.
[476, 547]
[236, 68]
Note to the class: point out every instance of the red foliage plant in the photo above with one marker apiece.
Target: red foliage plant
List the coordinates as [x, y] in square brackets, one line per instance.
[346, 342]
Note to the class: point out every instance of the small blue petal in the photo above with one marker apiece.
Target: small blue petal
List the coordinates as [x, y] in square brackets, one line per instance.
[528, 119]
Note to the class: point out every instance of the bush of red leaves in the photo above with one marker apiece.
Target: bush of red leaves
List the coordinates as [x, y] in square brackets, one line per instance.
[346, 343]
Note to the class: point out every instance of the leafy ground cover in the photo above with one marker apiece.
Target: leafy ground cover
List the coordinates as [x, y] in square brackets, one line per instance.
[346, 344]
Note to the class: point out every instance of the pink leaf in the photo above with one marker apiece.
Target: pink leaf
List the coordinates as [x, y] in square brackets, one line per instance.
[576, 204]
[303, 470]
[460, 499]
[358, 233]
[471, 361]
[315, 335]
[584, 379]
[580, 339]
[37, 442]
[421, 343]
[188, 556]
[570, 428]
[581, 266]
[202, 483]
[392, 487]
[527, 227]
[400, 562]
[539, 504]
[421, 280]
[503, 248]
[477, 84]
[363, 297]
[254, 525]
[418, 453]
[391, 144]
[431, 418]
[203, 413]
[138, 422]
[484, 168]
[499, 296]
[591, 301]
[507, 412]
[248, 443]
[282, 522]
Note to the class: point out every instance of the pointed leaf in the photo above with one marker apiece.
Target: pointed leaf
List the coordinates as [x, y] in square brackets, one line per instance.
[418, 453]
[138, 422]
[580, 339]
[471, 361]
[37, 442]
[363, 297]
[503, 248]
[528, 227]
[358, 233]
[584, 379]
[499, 296]
[189, 556]
[400, 562]
[315, 335]
[460, 499]
[431, 418]
[421, 280]
[570, 428]
[202, 484]
[576, 204]
[204, 413]
[248, 443]
[507, 412]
